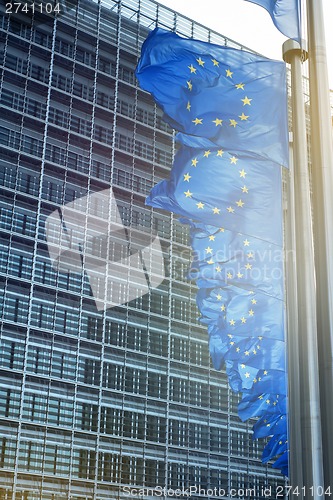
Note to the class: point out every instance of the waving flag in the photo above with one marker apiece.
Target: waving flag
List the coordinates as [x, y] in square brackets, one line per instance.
[223, 255]
[229, 107]
[285, 15]
[245, 201]
[217, 96]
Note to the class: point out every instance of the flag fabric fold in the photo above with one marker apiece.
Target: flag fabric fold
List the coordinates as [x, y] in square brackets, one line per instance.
[285, 14]
[223, 255]
[229, 108]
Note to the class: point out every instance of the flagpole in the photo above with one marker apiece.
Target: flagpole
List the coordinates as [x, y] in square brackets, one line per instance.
[322, 180]
[304, 402]
[294, 430]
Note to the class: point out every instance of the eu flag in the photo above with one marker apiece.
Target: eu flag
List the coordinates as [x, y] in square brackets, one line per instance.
[285, 15]
[225, 257]
[222, 188]
[217, 96]
[242, 311]
[229, 108]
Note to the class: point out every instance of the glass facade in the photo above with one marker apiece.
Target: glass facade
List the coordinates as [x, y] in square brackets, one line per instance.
[92, 402]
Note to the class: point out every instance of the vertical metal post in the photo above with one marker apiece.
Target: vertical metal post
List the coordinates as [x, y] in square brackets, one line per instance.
[322, 181]
[294, 403]
[304, 401]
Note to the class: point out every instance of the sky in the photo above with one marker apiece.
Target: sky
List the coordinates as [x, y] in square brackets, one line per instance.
[248, 24]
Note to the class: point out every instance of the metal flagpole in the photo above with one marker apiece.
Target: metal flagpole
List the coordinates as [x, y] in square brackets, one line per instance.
[294, 430]
[322, 181]
[305, 440]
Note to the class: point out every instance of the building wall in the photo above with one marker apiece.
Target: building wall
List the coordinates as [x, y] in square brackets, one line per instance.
[92, 401]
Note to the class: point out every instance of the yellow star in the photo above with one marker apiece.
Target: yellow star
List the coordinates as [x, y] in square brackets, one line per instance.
[250, 255]
[229, 276]
[242, 173]
[187, 177]
[261, 397]
[219, 297]
[247, 353]
[207, 153]
[219, 152]
[189, 85]
[255, 381]
[200, 205]
[237, 349]
[223, 308]
[265, 372]
[200, 62]
[233, 160]
[254, 352]
[243, 320]
[188, 194]
[215, 62]
[240, 86]
[242, 366]
[197, 121]
[192, 68]
[232, 343]
[231, 210]
[222, 229]
[210, 261]
[247, 375]
[246, 243]
[245, 189]
[218, 269]
[188, 107]
[251, 312]
[268, 401]
[240, 203]
[209, 250]
[232, 322]
[194, 162]
[246, 100]
[243, 117]
[233, 123]
[240, 275]
[248, 266]
[211, 237]
[260, 338]
[216, 210]
[254, 301]
[228, 73]
[217, 121]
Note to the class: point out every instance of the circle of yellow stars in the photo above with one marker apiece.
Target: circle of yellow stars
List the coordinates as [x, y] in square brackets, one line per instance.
[200, 64]
[242, 273]
[199, 161]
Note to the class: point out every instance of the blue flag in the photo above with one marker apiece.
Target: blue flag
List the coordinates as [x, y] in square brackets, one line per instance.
[223, 256]
[224, 189]
[229, 107]
[217, 96]
[242, 313]
[276, 446]
[262, 404]
[285, 15]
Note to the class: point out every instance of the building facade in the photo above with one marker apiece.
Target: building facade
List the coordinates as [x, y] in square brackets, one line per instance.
[93, 402]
